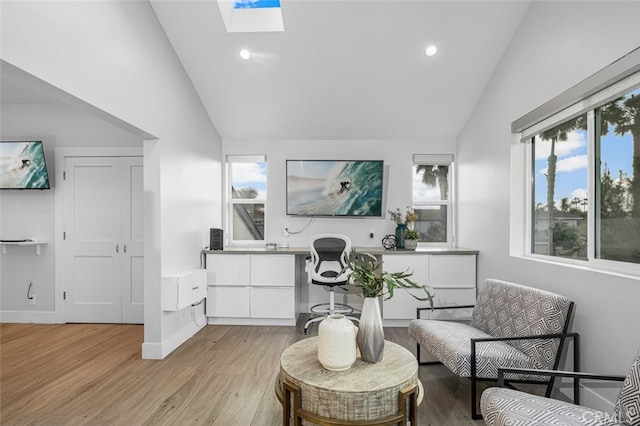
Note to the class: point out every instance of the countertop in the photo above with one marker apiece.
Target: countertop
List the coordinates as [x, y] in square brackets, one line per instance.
[371, 250]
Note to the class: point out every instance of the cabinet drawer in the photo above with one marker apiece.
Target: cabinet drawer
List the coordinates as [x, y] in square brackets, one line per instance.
[229, 302]
[453, 296]
[273, 270]
[272, 302]
[452, 271]
[229, 269]
[418, 264]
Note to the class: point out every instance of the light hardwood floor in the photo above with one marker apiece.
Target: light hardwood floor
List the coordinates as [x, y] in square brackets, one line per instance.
[93, 374]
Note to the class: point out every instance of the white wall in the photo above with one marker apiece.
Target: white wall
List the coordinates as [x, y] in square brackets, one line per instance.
[30, 214]
[557, 45]
[398, 159]
[114, 56]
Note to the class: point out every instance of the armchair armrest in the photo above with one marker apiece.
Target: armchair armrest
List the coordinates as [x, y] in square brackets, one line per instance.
[418, 310]
[576, 355]
[575, 375]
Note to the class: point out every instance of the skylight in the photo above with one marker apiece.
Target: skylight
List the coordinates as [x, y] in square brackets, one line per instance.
[255, 4]
[250, 16]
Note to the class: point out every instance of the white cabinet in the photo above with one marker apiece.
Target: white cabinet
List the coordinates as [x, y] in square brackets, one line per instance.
[402, 305]
[229, 301]
[251, 289]
[182, 290]
[451, 278]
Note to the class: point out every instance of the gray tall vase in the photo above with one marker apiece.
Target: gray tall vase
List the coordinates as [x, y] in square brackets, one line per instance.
[370, 332]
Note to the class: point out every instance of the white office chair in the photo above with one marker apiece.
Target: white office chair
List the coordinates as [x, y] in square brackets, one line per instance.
[325, 267]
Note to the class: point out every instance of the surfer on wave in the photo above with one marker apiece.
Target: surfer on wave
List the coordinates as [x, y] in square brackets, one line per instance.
[344, 186]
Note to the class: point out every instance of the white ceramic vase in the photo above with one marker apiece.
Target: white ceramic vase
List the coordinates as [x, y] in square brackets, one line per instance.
[336, 343]
[370, 331]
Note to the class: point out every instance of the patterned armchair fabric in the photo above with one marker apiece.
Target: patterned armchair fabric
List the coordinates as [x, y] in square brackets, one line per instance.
[505, 309]
[503, 407]
[502, 309]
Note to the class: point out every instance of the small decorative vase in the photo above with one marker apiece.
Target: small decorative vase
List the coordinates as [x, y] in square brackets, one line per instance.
[400, 229]
[410, 244]
[336, 343]
[370, 332]
[411, 225]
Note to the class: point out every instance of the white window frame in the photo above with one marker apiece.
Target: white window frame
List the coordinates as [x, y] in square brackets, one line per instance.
[440, 159]
[521, 163]
[231, 202]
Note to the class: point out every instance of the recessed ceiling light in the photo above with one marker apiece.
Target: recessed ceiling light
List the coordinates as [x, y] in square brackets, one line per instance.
[245, 54]
[431, 50]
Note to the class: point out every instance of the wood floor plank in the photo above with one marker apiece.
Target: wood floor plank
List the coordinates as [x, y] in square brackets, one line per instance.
[93, 374]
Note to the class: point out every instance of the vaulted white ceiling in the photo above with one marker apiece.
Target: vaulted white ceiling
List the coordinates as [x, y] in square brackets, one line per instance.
[340, 70]
[343, 69]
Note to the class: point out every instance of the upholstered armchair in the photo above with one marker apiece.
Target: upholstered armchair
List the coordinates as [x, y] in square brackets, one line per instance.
[511, 326]
[501, 406]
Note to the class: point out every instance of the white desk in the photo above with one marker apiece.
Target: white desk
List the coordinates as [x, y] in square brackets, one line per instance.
[260, 286]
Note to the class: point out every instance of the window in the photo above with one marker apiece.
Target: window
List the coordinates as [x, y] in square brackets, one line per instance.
[247, 197]
[617, 158]
[432, 177]
[560, 190]
[585, 169]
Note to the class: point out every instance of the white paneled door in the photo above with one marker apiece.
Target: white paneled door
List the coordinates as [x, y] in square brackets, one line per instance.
[103, 239]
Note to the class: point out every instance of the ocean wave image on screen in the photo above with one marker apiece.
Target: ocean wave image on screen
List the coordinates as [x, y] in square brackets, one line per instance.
[22, 166]
[353, 188]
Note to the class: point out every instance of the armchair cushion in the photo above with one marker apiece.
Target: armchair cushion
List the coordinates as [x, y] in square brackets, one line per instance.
[449, 341]
[501, 406]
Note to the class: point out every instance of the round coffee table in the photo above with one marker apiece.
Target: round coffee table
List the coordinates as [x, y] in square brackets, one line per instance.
[384, 393]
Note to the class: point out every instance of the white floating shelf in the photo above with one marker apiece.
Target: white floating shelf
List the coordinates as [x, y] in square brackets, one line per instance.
[36, 243]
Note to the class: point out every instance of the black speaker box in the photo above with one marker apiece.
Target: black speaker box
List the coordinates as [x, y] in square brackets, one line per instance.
[216, 239]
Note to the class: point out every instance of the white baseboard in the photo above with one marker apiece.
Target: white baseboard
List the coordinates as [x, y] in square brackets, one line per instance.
[37, 317]
[591, 398]
[252, 321]
[162, 349]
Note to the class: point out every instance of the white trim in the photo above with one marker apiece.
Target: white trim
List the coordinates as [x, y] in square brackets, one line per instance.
[37, 317]
[232, 158]
[614, 72]
[277, 322]
[164, 348]
[433, 158]
[519, 211]
[584, 265]
[592, 102]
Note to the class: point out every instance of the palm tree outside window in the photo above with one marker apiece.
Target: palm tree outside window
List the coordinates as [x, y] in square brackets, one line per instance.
[586, 180]
[432, 200]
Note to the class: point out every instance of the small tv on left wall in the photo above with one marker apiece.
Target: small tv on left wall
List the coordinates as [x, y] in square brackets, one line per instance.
[23, 165]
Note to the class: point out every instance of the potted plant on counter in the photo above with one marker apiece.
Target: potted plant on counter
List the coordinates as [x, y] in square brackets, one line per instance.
[411, 237]
[366, 272]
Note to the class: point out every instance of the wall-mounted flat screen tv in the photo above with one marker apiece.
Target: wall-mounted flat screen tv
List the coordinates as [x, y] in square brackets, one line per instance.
[334, 188]
[22, 165]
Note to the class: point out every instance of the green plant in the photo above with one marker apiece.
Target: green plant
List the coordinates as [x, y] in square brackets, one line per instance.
[411, 234]
[365, 271]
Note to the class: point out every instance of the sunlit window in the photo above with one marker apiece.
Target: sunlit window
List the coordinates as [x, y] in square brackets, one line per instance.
[432, 175]
[585, 170]
[247, 198]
